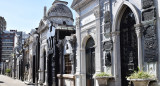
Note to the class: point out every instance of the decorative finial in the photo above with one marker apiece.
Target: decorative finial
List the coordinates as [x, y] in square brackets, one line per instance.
[45, 10]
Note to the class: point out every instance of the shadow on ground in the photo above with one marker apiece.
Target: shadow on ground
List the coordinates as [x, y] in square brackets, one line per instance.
[1, 82]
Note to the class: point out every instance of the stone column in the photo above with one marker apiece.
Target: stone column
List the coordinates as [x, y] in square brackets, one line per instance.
[41, 68]
[139, 40]
[116, 57]
[31, 67]
[83, 61]
[46, 71]
[29, 75]
[17, 68]
[30, 78]
[98, 40]
[83, 68]
[78, 79]
[78, 45]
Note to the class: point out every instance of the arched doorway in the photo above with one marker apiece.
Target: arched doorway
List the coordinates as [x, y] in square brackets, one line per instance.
[90, 61]
[128, 45]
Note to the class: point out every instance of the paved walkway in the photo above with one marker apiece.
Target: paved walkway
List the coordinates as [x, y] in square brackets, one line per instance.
[8, 81]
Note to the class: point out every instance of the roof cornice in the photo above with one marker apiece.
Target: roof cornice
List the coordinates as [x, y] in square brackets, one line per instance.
[82, 3]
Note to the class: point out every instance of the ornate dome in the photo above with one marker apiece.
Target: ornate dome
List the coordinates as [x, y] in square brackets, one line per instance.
[59, 9]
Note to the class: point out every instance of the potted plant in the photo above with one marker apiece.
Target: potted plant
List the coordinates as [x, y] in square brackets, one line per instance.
[8, 71]
[102, 78]
[141, 78]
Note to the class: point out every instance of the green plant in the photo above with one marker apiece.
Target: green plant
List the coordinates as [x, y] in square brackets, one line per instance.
[102, 74]
[140, 75]
[8, 70]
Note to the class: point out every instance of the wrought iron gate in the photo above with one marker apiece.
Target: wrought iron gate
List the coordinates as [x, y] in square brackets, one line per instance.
[128, 46]
[90, 62]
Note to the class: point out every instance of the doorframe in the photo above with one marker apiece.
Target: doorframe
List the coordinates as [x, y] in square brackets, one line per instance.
[116, 39]
[83, 58]
[91, 58]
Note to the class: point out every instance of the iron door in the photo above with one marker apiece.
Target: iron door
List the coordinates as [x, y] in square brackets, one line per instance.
[90, 62]
[128, 46]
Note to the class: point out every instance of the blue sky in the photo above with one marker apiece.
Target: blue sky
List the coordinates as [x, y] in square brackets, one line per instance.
[24, 15]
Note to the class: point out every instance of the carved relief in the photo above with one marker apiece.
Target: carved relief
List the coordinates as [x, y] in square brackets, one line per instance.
[148, 14]
[107, 25]
[149, 32]
[107, 17]
[150, 43]
[147, 3]
[107, 46]
[107, 30]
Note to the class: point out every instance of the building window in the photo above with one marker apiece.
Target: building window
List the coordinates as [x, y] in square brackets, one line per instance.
[64, 23]
[7, 40]
[68, 66]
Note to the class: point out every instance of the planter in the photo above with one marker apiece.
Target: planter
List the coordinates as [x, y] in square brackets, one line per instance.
[103, 80]
[140, 82]
[7, 74]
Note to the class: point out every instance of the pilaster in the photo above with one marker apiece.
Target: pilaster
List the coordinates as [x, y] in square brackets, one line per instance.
[46, 70]
[41, 68]
[83, 61]
[78, 56]
[116, 57]
[98, 40]
[139, 40]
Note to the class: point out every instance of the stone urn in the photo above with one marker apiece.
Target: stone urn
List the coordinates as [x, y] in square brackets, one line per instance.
[140, 82]
[102, 81]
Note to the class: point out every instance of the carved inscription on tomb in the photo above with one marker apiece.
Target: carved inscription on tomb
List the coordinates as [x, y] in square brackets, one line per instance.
[148, 14]
[147, 3]
[150, 43]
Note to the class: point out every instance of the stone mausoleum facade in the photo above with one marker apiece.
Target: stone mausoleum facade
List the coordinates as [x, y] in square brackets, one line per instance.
[116, 37]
